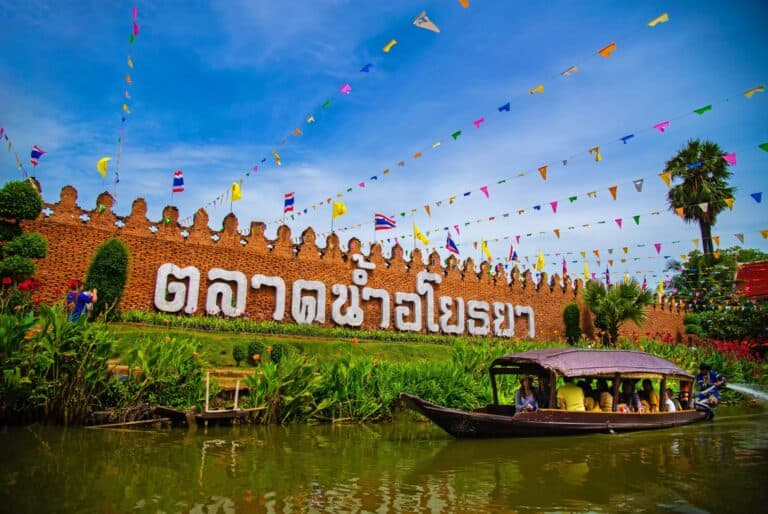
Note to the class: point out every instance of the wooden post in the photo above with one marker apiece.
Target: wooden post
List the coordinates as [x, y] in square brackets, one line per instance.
[237, 392]
[207, 389]
[493, 388]
[552, 390]
[663, 387]
[616, 383]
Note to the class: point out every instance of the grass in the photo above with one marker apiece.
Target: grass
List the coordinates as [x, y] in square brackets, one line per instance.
[217, 346]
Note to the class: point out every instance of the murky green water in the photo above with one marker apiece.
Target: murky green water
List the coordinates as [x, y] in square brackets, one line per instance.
[402, 467]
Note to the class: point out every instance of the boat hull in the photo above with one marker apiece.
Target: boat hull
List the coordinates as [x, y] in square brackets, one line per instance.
[546, 422]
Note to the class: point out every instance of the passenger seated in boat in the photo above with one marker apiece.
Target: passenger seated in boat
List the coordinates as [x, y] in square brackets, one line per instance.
[605, 398]
[629, 401]
[525, 398]
[649, 397]
[570, 397]
[542, 393]
[669, 401]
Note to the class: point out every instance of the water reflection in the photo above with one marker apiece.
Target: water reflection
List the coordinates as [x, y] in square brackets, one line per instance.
[403, 467]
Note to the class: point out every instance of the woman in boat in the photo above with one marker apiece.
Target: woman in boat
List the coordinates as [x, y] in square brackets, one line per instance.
[669, 402]
[629, 400]
[525, 399]
[649, 397]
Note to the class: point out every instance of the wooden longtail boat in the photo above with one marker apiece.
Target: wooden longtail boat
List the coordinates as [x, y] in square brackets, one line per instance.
[501, 420]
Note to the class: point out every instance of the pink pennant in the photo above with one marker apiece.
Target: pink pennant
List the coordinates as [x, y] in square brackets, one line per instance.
[478, 121]
[256, 168]
[362, 184]
[346, 89]
[661, 127]
[730, 158]
[135, 29]
[456, 227]
[618, 222]
[135, 13]
[484, 189]
[554, 206]
[658, 247]
[517, 238]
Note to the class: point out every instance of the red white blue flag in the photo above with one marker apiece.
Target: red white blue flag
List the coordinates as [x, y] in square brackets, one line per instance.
[383, 222]
[178, 181]
[37, 152]
[288, 204]
[451, 246]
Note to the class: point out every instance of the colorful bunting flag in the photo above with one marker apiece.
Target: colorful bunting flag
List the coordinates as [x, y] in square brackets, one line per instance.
[426, 208]
[486, 251]
[540, 263]
[666, 176]
[587, 276]
[618, 221]
[764, 233]
[702, 110]
[750, 92]
[456, 135]
[680, 211]
[101, 166]
[478, 122]
[596, 152]
[613, 190]
[505, 107]
[419, 235]
[557, 232]
[570, 71]
[658, 247]
[763, 146]
[662, 18]
[543, 172]
[661, 127]
[637, 219]
[276, 156]
[607, 50]
[554, 206]
[758, 197]
[627, 138]
[537, 89]
[638, 185]
[730, 158]
[389, 46]
[740, 237]
[716, 239]
[423, 22]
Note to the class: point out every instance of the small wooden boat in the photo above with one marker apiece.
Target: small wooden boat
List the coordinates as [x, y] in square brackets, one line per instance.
[500, 420]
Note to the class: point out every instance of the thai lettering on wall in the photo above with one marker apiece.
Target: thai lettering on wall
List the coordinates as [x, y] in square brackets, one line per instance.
[177, 290]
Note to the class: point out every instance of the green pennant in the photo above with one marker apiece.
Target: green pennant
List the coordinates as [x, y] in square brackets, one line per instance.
[326, 104]
[102, 208]
[402, 214]
[456, 135]
[248, 174]
[763, 146]
[349, 190]
[704, 109]
[572, 198]
[637, 219]
[132, 38]
[292, 216]
[528, 234]
[501, 181]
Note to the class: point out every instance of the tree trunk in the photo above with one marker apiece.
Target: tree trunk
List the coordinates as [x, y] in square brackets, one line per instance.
[706, 237]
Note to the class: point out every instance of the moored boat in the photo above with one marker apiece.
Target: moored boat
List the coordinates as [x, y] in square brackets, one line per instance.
[549, 365]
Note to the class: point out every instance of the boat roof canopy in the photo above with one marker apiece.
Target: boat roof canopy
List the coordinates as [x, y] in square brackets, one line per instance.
[577, 362]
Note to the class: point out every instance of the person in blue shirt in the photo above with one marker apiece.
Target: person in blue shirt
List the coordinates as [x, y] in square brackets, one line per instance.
[525, 398]
[709, 383]
[84, 302]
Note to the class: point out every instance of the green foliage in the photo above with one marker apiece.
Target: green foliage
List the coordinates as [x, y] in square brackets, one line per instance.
[9, 230]
[31, 245]
[703, 178]
[277, 353]
[571, 317]
[255, 348]
[20, 201]
[165, 371]
[743, 322]
[238, 355]
[616, 305]
[17, 267]
[108, 273]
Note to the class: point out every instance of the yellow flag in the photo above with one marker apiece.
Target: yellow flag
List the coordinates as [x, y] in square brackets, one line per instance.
[101, 166]
[729, 203]
[663, 18]
[277, 158]
[537, 89]
[596, 152]
[130, 62]
[666, 176]
[389, 46]
[759, 89]
[587, 276]
[626, 278]
[540, 262]
[419, 235]
[125, 109]
[661, 287]
[339, 209]
[486, 251]
[237, 194]
[764, 233]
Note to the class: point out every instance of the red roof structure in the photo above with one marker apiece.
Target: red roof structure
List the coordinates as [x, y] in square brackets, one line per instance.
[752, 280]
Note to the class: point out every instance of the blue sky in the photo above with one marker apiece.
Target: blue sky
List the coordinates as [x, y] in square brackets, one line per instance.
[218, 85]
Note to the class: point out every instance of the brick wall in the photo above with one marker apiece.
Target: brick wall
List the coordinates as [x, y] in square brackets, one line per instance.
[73, 241]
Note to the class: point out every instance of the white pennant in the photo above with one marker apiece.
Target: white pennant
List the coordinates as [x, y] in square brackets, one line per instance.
[704, 206]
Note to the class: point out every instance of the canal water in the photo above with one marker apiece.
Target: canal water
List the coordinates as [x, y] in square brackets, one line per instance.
[718, 466]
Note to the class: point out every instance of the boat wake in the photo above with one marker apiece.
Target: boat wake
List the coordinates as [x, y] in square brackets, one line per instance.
[751, 390]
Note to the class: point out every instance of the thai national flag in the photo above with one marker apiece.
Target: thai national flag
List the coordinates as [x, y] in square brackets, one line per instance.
[288, 205]
[37, 152]
[178, 181]
[451, 246]
[384, 222]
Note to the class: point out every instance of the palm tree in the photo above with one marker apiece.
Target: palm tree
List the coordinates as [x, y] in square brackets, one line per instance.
[704, 187]
[615, 305]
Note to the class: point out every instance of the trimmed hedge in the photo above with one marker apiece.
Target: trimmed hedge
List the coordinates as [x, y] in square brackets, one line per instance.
[108, 273]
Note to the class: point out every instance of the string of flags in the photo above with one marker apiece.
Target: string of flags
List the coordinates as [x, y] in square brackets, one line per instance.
[9, 143]
[421, 21]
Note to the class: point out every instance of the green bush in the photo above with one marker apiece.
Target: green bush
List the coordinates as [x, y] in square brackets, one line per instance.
[278, 352]
[571, 317]
[255, 348]
[238, 355]
[9, 230]
[108, 273]
[17, 267]
[31, 245]
[20, 201]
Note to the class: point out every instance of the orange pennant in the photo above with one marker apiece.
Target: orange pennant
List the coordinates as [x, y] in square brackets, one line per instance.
[666, 176]
[557, 233]
[426, 208]
[607, 50]
[680, 211]
[716, 239]
[543, 172]
[613, 190]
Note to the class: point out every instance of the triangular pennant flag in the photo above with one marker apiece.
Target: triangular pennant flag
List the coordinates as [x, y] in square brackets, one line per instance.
[423, 22]
[729, 203]
[597, 253]
[704, 206]
[570, 71]
[610, 262]
[638, 185]
[451, 200]
[658, 247]
[426, 208]
[572, 198]
[625, 249]
[626, 138]
[537, 89]
[666, 176]
[361, 184]
[749, 92]
[702, 110]
[554, 206]
[661, 127]
[764, 233]
[763, 146]
[478, 122]
[583, 254]
[456, 228]
[557, 232]
[456, 135]
[637, 219]
[695, 242]
[388, 46]
[596, 152]
[543, 172]
[716, 239]
[505, 107]
[758, 197]
[607, 50]
[663, 18]
[680, 211]
[613, 190]
[740, 237]
[730, 158]
[618, 222]
[484, 189]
